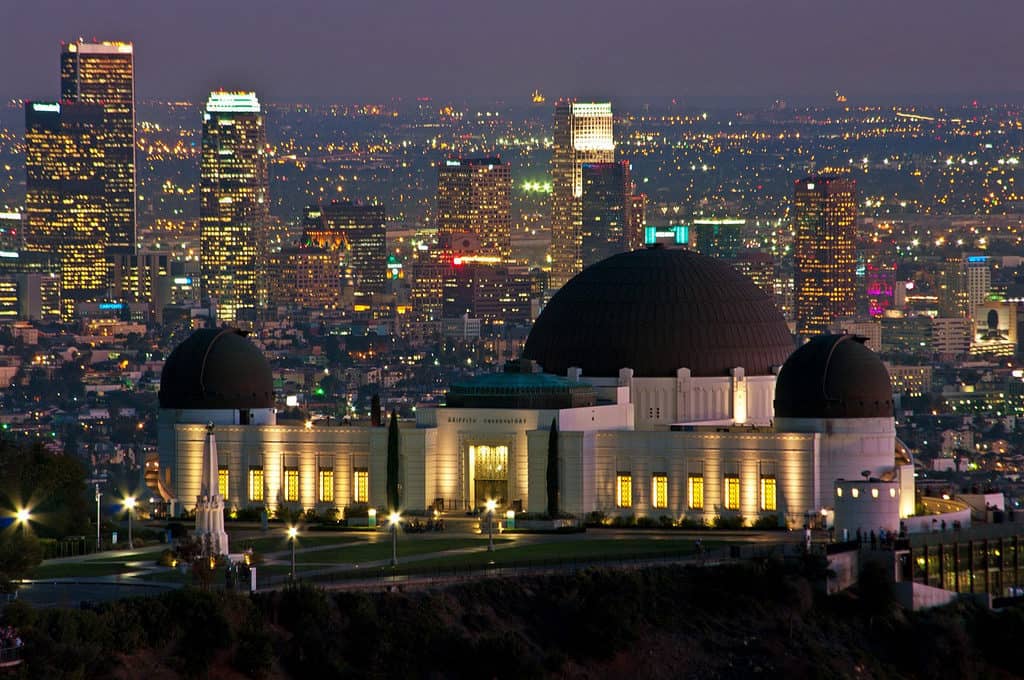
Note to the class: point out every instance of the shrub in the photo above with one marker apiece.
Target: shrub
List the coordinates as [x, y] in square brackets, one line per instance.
[596, 518]
[727, 522]
[767, 522]
[665, 521]
[357, 510]
[253, 513]
[646, 522]
[167, 558]
[687, 523]
[624, 521]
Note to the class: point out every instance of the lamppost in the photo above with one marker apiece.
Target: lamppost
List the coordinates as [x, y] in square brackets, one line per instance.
[129, 504]
[491, 505]
[99, 545]
[293, 533]
[393, 519]
[21, 518]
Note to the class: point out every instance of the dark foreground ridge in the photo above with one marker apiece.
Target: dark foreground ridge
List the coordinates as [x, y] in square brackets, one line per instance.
[761, 620]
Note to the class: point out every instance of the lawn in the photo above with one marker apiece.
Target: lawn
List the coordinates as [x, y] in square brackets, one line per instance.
[278, 541]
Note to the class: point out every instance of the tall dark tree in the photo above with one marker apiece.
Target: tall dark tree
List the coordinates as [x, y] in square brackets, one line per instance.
[552, 476]
[375, 418]
[392, 479]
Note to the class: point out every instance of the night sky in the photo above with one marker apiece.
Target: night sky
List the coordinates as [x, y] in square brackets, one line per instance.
[372, 50]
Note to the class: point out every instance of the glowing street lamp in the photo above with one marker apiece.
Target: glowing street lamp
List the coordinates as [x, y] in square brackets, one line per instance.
[23, 516]
[393, 519]
[491, 505]
[129, 504]
[293, 533]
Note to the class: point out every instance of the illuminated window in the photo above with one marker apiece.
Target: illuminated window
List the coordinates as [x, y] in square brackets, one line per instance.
[768, 494]
[839, 491]
[892, 493]
[659, 490]
[624, 490]
[222, 482]
[362, 486]
[256, 484]
[732, 492]
[874, 493]
[291, 485]
[326, 485]
[855, 492]
[696, 492]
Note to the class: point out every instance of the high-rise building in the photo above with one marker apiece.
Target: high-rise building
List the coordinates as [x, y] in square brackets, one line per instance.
[234, 203]
[876, 278]
[718, 237]
[65, 199]
[977, 280]
[582, 134]
[103, 73]
[360, 234]
[607, 190]
[474, 196]
[305, 278]
[637, 221]
[824, 263]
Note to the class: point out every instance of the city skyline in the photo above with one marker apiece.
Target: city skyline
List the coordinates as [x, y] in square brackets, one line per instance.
[732, 49]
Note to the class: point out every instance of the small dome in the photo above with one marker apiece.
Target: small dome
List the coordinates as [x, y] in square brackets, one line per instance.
[216, 369]
[658, 310]
[833, 376]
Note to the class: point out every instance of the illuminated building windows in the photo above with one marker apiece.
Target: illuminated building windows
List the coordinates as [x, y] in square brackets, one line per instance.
[361, 486]
[732, 492]
[256, 484]
[659, 490]
[222, 482]
[768, 494]
[291, 485]
[326, 485]
[695, 492]
[624, 490]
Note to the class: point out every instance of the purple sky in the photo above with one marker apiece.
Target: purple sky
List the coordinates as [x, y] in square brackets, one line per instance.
[363, 50]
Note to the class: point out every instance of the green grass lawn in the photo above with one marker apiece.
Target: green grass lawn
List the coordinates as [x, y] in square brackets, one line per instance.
[278, 541]
[381, 550]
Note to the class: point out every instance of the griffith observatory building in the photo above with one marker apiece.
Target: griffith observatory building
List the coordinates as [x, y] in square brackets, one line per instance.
[675, 385]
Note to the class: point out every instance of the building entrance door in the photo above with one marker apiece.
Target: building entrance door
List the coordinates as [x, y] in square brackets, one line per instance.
[489, 465]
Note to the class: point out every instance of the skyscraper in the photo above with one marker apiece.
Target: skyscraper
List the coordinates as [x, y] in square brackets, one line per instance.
[582, 134]
[234, 202]
[824, 263]
[607, 190]
[474, 195]
[103, 73]
[65, 199]
[359, 233]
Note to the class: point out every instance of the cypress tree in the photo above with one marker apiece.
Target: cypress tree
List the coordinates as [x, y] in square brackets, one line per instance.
[552, 477]
[392, 472]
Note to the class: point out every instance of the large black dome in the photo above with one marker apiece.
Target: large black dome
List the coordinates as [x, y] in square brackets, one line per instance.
[216, 369]
[658, 310]
[833, 376]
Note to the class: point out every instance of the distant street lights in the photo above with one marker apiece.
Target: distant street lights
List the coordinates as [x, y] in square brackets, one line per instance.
[491, 505]
[293, 533]
[393, 519]
[129, 504]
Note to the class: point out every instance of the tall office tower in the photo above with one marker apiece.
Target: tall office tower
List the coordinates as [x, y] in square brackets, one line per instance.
[759, 267]
[718, 237]
[876, 278]
[474, 196]
[582, 134]
[637, 221]
[234, 203]
[359, 233]
[607, 190]
[824, 263]
[65, 201]
[977, 280]
[951, 288]
[103, 73]
[305, 279]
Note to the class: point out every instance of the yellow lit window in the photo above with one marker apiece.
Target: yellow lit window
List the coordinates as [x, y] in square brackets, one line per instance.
[768, 494]
[291, 485]
[624, 490]
[222, 482]
[256, 484]
[327, 485]
[659, 491]
[732, 492]
[696, 492]
[362, 486]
